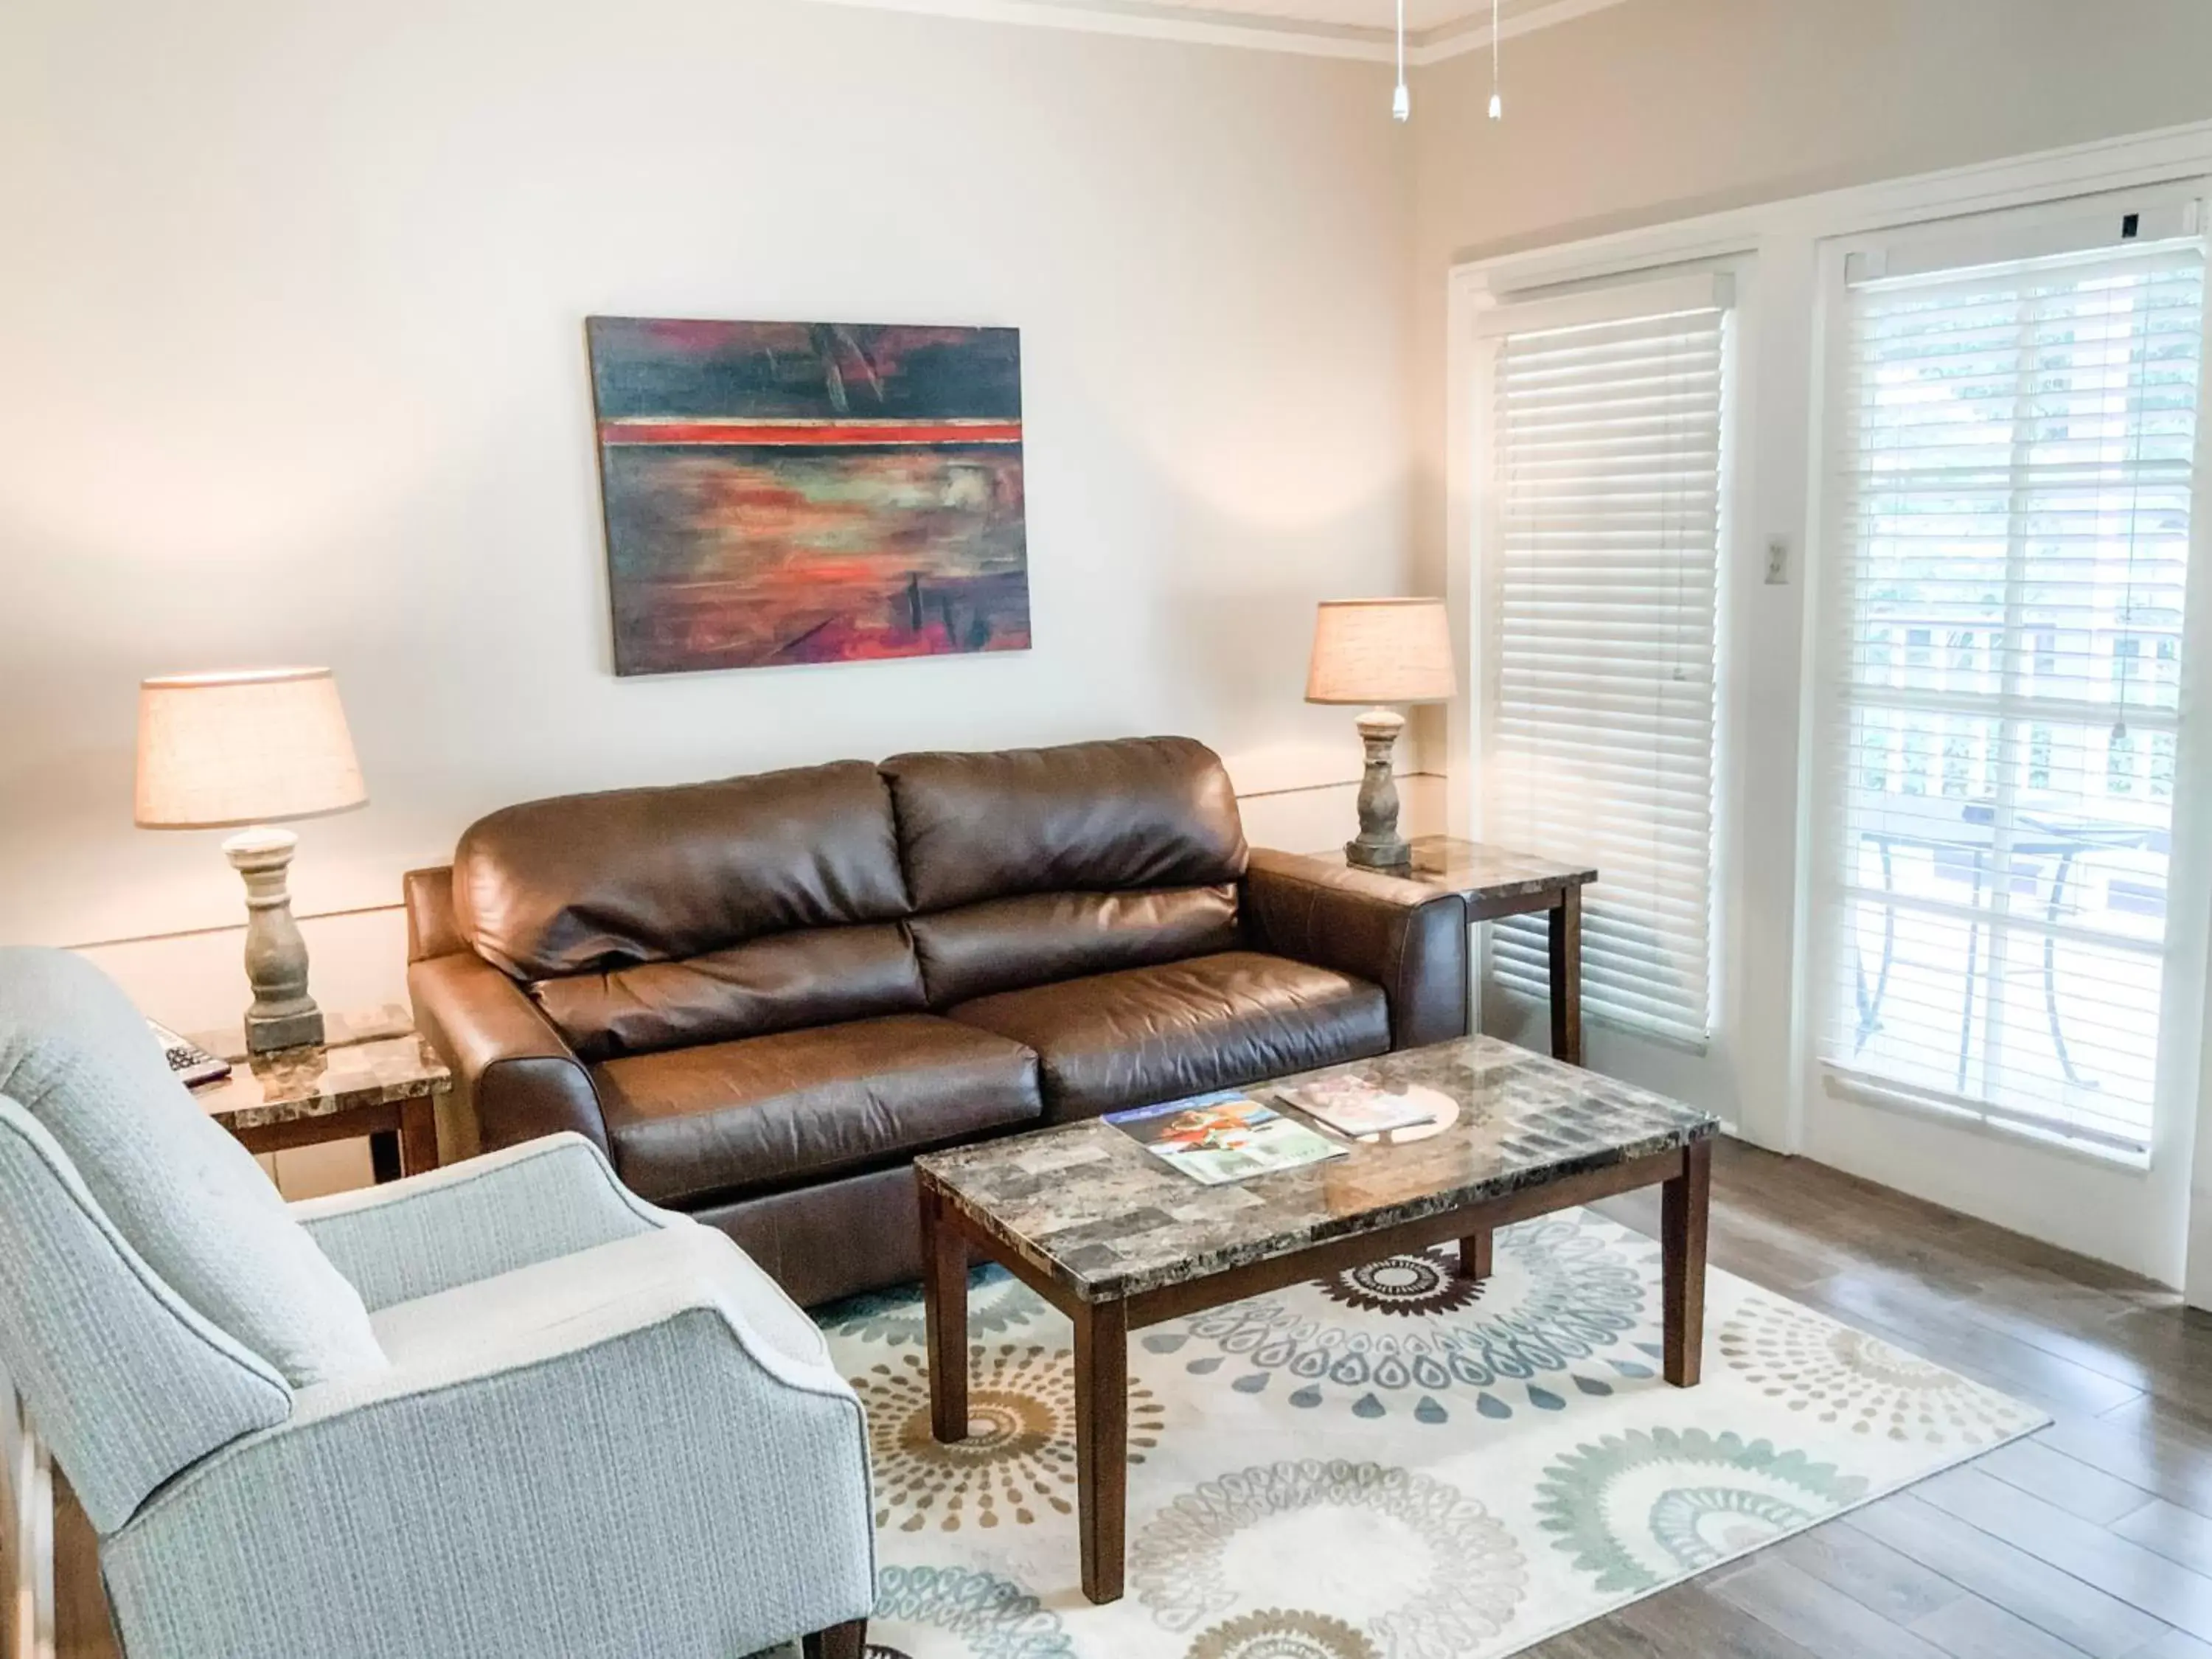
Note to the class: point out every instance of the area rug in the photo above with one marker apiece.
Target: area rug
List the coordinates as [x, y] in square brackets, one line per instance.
[1391, 1464]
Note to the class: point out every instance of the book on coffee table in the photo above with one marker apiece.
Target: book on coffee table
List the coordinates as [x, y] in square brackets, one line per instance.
[1352, 1106]
[1223, 1137]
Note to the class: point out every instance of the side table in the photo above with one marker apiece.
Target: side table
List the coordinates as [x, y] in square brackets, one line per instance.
[1494, 882]
[372, 1075]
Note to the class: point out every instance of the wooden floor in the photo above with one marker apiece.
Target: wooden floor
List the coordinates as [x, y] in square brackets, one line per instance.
[2092, 1539]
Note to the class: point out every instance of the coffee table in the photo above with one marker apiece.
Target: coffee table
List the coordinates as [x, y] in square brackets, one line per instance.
[1117, 1240]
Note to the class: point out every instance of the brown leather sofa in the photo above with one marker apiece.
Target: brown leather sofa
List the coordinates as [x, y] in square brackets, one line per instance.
[764, 996]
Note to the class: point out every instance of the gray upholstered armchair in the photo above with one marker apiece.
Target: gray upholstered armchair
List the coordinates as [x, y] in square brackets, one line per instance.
[503, 1408]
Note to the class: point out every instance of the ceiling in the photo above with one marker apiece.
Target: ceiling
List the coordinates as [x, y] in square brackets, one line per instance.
[1435, 29]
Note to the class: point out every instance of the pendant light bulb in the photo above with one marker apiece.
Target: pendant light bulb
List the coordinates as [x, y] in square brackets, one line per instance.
[1496, 107]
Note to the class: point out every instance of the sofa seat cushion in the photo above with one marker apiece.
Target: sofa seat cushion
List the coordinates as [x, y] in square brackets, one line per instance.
[723, 1119]
[1180, 1028]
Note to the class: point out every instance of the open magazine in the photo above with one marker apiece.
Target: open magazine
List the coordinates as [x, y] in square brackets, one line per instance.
[1223, 1137]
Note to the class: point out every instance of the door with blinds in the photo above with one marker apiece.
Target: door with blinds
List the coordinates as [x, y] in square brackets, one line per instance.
[2011, 455]
[1605, 416]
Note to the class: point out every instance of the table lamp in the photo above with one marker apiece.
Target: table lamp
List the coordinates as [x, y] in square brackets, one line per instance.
[217, 751]
[1379, 652]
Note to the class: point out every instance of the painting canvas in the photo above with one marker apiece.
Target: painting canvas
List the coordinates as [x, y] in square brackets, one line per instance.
[781, 493]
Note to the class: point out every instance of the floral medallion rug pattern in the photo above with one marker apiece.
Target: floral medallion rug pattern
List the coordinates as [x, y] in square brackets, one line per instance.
[1394, 1462]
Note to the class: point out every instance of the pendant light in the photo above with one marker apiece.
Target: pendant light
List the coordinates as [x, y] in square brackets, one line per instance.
[1401, 101]
[1496, 100]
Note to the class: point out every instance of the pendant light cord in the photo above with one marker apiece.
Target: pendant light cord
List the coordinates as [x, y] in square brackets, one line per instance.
[1401, 103]
[1496, 44]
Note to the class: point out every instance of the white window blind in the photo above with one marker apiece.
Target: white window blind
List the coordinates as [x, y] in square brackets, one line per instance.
[1606, 419]
[2013, 452]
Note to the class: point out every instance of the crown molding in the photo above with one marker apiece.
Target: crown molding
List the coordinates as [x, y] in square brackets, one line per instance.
[1155, 21]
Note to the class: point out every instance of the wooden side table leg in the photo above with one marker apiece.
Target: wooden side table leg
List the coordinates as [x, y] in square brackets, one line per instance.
[1475, 1255]
[944, 1317]
[1684, 1203]
[1102, 1443]
[1565, 964]
[418, 1135]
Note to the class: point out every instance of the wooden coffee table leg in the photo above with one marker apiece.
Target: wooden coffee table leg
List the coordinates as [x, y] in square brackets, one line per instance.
[1101, 1441]
[1565, 960]
[944, 1315]
[1475, 1255]
[1683, 1204]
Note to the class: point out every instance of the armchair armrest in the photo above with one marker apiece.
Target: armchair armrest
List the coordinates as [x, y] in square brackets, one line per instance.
[487, 1215]
[645, 1449]
[1409, 938]
[508, 1061]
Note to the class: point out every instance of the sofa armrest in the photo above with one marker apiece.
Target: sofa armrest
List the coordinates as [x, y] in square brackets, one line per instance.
[484, 1216]
[510, 1063]
[1409, 938]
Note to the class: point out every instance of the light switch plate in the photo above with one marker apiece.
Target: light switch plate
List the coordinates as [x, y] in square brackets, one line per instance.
[1778, 561]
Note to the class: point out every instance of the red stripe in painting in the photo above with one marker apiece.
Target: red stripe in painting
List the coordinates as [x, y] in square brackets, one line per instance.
[818, 432]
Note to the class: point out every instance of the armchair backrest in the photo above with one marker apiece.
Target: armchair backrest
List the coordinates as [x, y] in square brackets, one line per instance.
[133, 1230]
[127, 1383]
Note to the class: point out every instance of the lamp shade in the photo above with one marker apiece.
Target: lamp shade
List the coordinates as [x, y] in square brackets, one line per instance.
[254, 746]
[1380, 651]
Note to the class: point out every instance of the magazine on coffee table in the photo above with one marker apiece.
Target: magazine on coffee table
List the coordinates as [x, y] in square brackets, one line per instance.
[1223, 1137]
[1355, 1106]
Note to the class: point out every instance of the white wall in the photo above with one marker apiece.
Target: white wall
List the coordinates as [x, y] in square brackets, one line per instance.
[292, 368]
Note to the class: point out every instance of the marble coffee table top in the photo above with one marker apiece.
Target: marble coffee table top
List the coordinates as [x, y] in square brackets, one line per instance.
[1090, 1207]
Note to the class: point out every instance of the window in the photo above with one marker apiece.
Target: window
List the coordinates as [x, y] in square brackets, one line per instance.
[2012, 486]
[1605, 419]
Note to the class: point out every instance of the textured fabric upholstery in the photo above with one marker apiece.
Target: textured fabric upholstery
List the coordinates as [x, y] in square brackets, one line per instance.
[727, 1118]
[192, 1202]
[638, 1450]
[534, 1203]
[491, 1314]
[128, 1383]
[1151, 1034]
[1088, 817]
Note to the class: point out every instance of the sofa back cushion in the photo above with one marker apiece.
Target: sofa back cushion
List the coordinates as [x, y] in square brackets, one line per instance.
[1084, 817]
[644, 918]
[1029, 866]
[1009, 944]
[816, 976]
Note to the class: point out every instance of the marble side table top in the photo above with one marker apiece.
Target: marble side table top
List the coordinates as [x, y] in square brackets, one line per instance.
[1481, 873]
[1093, 1210]
[370, 1057]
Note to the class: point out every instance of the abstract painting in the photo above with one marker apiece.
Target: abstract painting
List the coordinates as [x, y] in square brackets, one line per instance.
[781, 493]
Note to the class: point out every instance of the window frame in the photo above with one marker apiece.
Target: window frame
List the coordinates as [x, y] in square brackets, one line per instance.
[2053, 225]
